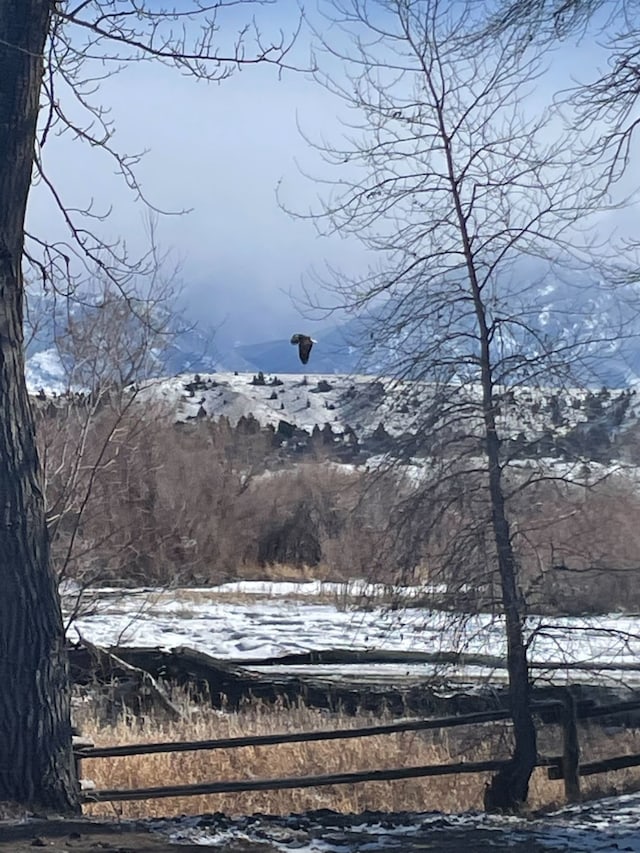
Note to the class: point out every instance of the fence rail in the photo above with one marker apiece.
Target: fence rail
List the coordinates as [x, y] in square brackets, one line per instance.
[566, 766]
[293, 737]
[243, 785]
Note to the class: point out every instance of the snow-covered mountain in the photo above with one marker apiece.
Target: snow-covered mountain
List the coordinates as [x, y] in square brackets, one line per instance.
[377, 416]
[535, 327]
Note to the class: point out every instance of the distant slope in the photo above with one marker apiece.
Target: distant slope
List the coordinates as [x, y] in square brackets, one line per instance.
[333, 353]
[576, 424]
[581, 318]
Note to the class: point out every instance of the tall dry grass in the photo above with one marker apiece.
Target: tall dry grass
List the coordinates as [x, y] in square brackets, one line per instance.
[446, 793]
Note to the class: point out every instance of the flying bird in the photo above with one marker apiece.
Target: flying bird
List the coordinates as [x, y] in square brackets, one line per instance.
[304, 343]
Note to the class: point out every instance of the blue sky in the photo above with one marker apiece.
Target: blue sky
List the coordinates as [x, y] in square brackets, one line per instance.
[218, 150]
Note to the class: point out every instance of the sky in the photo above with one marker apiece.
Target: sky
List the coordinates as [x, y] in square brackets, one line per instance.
[218, 151]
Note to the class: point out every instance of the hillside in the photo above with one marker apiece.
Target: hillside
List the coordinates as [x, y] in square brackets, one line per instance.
[388, 416]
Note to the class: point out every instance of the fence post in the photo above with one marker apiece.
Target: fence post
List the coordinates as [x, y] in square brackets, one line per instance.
[78, 742]
[570, 746]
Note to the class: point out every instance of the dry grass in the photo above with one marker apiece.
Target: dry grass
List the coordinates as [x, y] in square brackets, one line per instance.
[447, 793]
[341, 596]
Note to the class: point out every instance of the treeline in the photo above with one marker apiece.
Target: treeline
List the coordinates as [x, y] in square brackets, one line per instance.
[134, 498]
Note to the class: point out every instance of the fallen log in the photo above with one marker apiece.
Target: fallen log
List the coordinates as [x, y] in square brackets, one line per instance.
[137, 686]
[230, 684]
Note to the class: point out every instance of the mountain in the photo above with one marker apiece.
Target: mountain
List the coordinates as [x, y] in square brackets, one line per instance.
[401, 418]
[591, 326]
[336, 351]
[547, 332]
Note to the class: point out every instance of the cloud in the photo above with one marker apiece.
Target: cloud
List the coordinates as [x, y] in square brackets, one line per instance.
[218, 151]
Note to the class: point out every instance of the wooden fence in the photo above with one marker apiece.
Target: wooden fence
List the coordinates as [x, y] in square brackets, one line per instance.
[566, 766]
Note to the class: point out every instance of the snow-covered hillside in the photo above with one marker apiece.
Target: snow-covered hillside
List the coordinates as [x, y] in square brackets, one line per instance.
[363, 403]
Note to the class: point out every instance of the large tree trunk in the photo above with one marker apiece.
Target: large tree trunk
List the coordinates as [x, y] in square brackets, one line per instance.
[36, 765]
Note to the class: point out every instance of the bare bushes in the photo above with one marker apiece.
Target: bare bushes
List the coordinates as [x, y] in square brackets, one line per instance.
[438, 533]
[314, 515]
[574, 535]
[135, 499]
[579, 544]
[88, 444]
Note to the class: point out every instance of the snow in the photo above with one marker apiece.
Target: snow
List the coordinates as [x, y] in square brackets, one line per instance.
[605, 826]
[256, 619]
[253, 620]
[359, 401]
[45, 370]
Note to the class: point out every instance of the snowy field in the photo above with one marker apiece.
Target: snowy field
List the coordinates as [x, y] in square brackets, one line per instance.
[604, 826]
[247, 621]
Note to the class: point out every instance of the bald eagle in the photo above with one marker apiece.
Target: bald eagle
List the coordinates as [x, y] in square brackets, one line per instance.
[304, 343]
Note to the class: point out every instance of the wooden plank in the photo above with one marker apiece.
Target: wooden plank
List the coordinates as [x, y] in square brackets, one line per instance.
[290, 737]
[606, 710]
[292, 782]
[591, 768]
[607, 764]
[571, 747]
[357, 657]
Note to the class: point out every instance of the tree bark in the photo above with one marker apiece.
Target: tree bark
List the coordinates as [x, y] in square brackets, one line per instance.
[509, 788]
[36, 763]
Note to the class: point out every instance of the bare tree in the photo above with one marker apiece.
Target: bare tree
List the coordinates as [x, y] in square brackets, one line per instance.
[107, 338]
[473, 209]
[604, 96]
[36, 765]
[109, 348]
[46, 47]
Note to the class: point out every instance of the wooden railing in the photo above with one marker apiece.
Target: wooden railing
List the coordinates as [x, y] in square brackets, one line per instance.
[566, 766]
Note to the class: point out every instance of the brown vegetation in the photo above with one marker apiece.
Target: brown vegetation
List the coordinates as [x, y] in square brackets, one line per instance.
[446, 793]
[136, 499]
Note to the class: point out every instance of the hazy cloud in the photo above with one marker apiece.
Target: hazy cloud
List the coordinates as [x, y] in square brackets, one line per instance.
[219, 151]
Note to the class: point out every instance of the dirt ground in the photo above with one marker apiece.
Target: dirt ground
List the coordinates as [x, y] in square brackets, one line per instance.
[86, 836]
[82, 836]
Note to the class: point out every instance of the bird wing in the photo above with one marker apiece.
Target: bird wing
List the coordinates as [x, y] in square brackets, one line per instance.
[305, 349]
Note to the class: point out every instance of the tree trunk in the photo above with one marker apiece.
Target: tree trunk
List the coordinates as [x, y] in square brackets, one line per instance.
[36, 765]
[509, 787]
